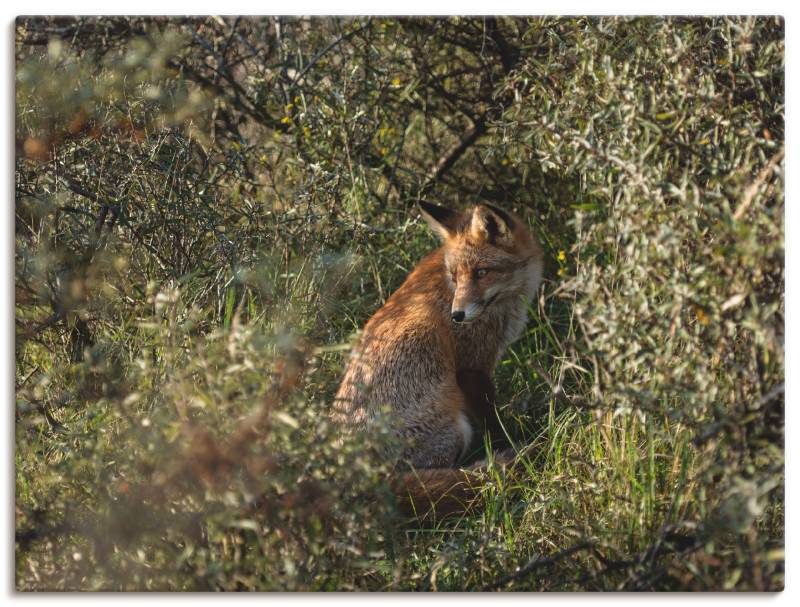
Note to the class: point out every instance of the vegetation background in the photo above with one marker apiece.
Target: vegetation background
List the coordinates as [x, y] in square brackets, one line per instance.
[207, 209]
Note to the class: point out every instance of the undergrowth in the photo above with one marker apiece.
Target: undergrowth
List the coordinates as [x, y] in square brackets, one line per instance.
[207, 210]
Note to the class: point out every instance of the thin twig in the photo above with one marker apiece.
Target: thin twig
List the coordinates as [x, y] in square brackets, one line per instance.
[453, 154]
[751, 190]
[539, 562]
[331, 46]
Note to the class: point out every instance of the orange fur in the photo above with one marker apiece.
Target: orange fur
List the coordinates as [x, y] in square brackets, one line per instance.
[432, 372]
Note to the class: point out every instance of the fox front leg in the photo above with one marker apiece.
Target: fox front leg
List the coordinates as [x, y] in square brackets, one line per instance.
[481, 401]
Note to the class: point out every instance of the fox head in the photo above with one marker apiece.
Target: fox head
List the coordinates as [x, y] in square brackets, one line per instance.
[489, 255]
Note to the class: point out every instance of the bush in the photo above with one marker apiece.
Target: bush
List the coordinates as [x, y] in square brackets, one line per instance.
[207, 209]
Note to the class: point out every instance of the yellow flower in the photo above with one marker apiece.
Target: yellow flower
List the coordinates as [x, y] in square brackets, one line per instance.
[504, 161]
[701, 316]
[306, 131]
[298, 99]
[562, 256]
[289, 107]
[286, 120]
[384, 151]
[396, 82]
[561, 271]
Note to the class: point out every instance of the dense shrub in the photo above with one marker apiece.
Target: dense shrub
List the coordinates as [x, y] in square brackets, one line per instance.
[207, 209]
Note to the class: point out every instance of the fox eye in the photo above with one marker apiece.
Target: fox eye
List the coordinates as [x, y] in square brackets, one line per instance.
[481, 272]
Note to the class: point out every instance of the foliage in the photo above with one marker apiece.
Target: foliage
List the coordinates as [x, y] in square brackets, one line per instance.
[207, 209]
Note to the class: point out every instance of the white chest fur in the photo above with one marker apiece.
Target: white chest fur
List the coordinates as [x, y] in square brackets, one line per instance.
[518, 316]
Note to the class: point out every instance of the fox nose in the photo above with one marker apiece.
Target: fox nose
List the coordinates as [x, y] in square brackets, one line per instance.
[457, 316]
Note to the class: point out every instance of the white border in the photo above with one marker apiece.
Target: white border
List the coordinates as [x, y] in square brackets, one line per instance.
[407, 7]
[418, 7]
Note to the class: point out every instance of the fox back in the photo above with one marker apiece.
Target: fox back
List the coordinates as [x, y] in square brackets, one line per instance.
[427, 355]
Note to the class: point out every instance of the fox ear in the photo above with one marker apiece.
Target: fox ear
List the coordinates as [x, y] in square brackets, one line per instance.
[492, 225]
[441, 220]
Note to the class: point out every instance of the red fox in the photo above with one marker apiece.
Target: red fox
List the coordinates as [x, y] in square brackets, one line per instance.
[429, 352]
